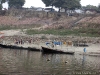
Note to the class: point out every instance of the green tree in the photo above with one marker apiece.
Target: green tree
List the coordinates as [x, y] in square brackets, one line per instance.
[48, 2]
[71, 4]
[59, 3]
[16, 3]
[75, 4]
[66, 4]
[90, 7]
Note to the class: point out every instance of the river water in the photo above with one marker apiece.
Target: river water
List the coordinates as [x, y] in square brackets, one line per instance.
[24, 62]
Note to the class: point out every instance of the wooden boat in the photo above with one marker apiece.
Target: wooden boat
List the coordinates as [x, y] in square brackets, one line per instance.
[49, 50]
[18, 47]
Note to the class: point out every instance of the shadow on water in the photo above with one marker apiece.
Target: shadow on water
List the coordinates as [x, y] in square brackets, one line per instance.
[24, 62]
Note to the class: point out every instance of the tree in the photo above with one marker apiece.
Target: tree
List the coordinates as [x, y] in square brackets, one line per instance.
[59, 3]
[48, 2]
[99, 6]
[0, 6]
[66, 4]
[16, 3]
[71, 5]
[90, 7]
[74, 4]
[56, 3]
[1, 2]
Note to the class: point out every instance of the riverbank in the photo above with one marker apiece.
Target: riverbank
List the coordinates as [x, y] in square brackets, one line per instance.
[91, 50]
[14, 37]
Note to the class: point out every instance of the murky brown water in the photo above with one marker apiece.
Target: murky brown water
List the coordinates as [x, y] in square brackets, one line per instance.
[24, 62]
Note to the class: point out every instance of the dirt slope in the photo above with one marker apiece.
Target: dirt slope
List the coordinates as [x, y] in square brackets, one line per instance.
[62, 22]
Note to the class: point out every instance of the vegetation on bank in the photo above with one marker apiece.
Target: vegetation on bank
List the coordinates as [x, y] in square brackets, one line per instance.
[91, 32]
[13, 3]
[9, 27]
[62, 32]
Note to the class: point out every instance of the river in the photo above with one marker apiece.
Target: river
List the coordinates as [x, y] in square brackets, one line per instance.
[24, 62]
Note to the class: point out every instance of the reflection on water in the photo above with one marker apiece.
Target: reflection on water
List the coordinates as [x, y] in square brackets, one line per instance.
[24, 62]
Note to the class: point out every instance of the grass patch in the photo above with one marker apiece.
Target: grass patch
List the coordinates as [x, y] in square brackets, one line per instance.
[62, 32]
[7, 28]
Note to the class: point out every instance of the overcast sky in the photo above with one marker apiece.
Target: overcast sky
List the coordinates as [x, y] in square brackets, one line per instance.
[39, 3]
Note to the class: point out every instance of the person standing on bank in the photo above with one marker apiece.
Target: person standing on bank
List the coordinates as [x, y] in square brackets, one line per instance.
[84, 50]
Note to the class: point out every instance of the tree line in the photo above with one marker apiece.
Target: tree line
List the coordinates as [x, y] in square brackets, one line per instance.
[13, 3]
[61, 4]
[65, 4]
[69, 4]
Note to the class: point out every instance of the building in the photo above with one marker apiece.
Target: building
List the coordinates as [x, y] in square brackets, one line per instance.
[90, 11]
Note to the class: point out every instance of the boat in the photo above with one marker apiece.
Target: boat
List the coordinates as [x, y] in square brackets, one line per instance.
[19, 47]
[55, 51]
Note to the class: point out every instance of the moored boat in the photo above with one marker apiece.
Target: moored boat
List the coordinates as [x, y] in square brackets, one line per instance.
[19, 47]
[52, 51]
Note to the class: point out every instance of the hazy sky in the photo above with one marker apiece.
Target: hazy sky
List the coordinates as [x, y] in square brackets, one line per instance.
[39, 3]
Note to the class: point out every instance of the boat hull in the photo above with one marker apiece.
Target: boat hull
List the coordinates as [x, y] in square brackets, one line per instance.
[53, 51]
[18, 47]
